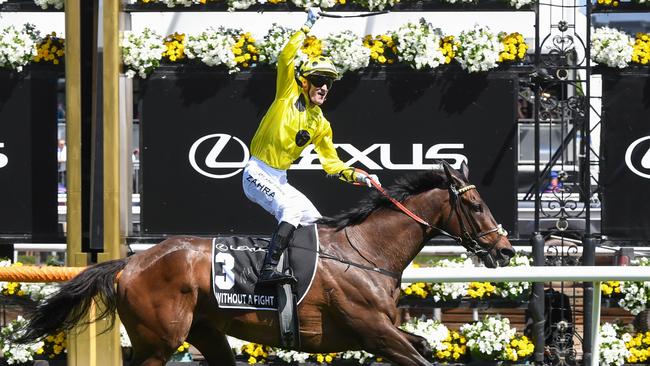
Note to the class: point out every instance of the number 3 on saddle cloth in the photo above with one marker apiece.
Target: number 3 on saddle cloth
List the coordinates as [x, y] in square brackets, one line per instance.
[236, 264]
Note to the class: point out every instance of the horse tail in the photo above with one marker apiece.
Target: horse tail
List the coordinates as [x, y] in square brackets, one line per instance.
[70, 305]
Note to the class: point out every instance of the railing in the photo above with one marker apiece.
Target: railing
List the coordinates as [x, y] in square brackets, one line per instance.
[538, 274]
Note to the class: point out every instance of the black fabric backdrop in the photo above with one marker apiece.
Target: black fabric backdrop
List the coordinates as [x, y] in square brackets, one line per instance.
[400, 109]
[28, 181]
[626, 130]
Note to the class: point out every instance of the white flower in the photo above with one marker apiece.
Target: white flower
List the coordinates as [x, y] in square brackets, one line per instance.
[519, 3]
[360, 355]
[16, 353]
[514, 290]
[434, 332]
[489, 337]
[172, 3]
[459, 1]
[346, 51]
[451, 290]
[375, 4]
[635, 294]
[213, 47]
[241, 4]
[291, 356]
[312, 3]
[611, 47]
[141, 52]
[273, 43]
[17, 46]
[44, 4]
[478, 49]
[612, 348]
[418, 44]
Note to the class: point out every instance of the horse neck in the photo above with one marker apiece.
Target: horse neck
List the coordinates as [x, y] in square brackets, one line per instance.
[391, 237]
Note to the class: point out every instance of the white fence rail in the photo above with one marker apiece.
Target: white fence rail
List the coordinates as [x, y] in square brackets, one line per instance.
[538, 274]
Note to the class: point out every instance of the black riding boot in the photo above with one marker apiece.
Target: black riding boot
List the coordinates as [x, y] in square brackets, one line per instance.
[279, 242]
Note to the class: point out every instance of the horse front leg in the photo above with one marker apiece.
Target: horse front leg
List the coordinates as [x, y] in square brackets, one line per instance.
[381, 337]
[419, 343]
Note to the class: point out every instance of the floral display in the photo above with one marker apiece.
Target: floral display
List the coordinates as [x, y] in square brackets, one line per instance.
[494, 339]
[346, 51]
[319, 3]
[45, 4]
[375, 4]
[311, 47]
[141, 52]
[245, 51]
[518, 4]
[608, 3]
[174, 47]
[360, 356]
[612, 348]
[17, 46]
[418, 289]
[50, 49]
[16, 353]
[256, 353]
[445, 291]
[418, 45]
[213, 47]
[273, 42]
[633, 296]
[54, 346]
[610, 288]
[478, 49]
[514, 47]
[611, 47]
[638, 347]
[448, 47]
[514, 290]
[641, 49]
[382, 49]
[446, 345]
[481, 290]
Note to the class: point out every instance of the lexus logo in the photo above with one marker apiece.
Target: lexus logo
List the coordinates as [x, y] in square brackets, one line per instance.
[214, 166]
[637, 157]
[211, 162]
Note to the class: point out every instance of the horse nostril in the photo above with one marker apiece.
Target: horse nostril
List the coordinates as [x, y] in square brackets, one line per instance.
[506, 253]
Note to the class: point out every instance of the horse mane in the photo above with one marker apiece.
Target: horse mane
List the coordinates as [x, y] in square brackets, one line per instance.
[403, 187]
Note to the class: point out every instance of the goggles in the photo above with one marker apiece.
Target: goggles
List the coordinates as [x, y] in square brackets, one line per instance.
[319, 80]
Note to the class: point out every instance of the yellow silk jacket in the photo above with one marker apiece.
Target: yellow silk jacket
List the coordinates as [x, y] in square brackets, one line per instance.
[274, 141]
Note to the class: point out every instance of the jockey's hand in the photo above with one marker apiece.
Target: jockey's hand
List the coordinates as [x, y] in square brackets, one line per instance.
[313, 13]
[364, 178]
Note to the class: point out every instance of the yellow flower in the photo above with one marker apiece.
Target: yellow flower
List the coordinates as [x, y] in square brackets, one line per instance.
[252, 360]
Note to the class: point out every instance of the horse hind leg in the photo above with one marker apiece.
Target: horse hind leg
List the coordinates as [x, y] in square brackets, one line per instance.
[212, 344]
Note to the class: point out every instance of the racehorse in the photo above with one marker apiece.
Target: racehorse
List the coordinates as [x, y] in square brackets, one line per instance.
[163, 295]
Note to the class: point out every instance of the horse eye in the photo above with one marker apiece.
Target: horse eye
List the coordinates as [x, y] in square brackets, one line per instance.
[477, 207]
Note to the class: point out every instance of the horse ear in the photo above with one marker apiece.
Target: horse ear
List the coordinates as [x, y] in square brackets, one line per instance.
[464, 169]
[447, 168]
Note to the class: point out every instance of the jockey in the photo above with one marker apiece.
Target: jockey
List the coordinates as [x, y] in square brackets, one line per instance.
[293, 120]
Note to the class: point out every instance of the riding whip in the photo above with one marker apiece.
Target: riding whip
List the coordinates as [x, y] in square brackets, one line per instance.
[368, 14]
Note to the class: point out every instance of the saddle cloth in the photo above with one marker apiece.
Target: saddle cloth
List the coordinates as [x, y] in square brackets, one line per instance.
[236, 264]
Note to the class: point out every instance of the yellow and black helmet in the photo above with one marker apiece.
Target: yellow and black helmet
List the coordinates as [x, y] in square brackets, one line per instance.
[319, 65]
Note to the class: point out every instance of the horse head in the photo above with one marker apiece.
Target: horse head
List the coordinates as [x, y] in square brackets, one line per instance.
[470, 221]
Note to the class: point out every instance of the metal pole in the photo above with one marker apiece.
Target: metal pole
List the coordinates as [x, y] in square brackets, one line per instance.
[595, 323]
[536, 304]
[588, 259]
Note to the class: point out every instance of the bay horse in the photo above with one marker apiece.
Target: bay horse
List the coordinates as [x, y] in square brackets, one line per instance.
[164, 294]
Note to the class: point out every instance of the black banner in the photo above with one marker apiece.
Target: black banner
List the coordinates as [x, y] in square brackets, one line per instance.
[625, 153]
[28, 163]
[196, 127]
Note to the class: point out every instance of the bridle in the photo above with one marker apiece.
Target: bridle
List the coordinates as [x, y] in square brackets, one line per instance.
[469, 240]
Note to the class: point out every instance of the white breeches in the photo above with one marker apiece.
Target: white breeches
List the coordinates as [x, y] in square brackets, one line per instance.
[269, 188]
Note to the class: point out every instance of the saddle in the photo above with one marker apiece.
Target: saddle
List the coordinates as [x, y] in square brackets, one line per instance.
[236, 265]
